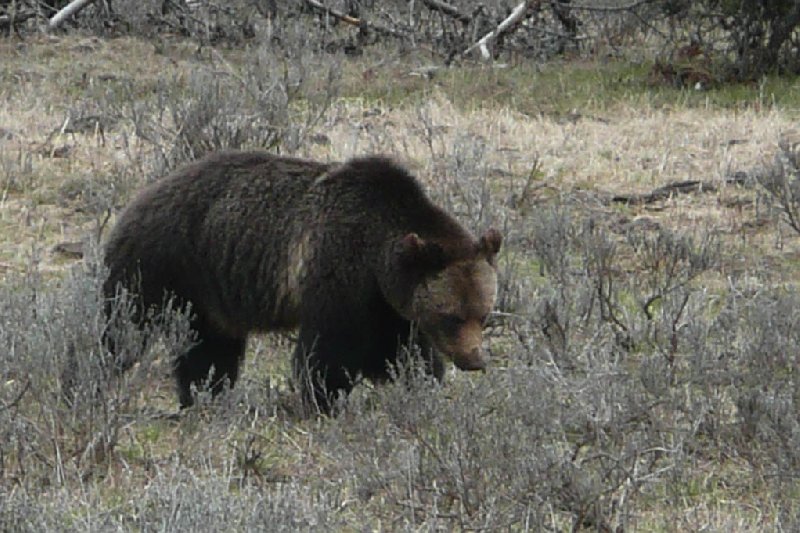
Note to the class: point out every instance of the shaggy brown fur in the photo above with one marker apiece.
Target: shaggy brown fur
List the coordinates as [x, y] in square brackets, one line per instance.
[351, 254]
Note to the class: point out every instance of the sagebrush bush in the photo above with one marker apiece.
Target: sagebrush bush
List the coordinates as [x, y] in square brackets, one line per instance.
[173, 499]
[16, 171]
[62, 391]
[780, 179]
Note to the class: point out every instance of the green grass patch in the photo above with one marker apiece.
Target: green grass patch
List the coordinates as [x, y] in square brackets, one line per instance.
[559, 88]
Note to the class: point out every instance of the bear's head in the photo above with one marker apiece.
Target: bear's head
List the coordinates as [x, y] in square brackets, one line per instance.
[453, 292]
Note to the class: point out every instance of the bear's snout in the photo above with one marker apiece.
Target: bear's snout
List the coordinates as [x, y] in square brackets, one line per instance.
[473, 360]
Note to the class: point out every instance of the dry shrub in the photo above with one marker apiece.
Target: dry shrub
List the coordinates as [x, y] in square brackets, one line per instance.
[64, 404]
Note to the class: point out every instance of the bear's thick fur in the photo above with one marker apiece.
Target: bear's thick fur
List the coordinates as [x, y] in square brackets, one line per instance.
[352, 254]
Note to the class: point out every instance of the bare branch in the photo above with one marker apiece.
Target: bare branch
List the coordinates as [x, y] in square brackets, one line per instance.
[516, 15]
[334, 13]
[73, 8]
[13, 403]
[606, 9]
[353, 21]
[447, 9]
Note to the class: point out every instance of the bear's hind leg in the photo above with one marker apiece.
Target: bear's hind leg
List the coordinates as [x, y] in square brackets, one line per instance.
[223, 354]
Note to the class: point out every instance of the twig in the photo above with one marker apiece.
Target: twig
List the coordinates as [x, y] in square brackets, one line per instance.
[13, 403]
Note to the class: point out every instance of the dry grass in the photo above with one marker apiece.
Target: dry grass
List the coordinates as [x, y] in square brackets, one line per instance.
[625, 149]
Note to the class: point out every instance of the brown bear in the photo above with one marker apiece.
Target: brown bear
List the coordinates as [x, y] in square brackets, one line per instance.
[353, 254]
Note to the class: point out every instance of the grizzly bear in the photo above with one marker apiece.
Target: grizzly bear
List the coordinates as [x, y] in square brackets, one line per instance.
[354, 255]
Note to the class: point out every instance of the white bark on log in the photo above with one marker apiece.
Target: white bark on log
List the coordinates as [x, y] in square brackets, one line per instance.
[516, 15]
[66, 12]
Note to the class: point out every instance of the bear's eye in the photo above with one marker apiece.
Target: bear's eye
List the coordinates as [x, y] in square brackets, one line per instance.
[451, 322]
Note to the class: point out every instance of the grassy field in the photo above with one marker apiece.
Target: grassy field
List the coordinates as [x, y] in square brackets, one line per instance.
[644, 372]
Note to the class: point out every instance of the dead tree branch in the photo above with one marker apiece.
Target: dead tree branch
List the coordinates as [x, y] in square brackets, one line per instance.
[353, 21]
[447, 9]
[607, 9]
[515, 17]
[678, 187]
[73, 8]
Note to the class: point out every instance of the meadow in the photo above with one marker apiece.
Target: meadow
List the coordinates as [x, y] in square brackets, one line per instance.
[644, 360]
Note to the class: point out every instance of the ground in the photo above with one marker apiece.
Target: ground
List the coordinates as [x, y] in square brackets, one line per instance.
[575, 135]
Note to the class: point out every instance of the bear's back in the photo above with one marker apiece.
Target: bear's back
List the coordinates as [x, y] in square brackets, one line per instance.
[204, 229]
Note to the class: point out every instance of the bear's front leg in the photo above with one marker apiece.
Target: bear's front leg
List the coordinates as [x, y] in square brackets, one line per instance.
[431, 358]
[320, 370]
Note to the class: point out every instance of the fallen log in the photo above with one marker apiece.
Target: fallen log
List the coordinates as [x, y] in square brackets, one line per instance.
[677, 187]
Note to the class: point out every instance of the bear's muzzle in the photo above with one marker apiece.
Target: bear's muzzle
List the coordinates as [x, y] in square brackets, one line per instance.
[473, 360]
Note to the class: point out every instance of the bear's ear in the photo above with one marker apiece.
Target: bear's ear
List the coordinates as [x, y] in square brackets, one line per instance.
[411, 244]
[419, 253]
[489, 244]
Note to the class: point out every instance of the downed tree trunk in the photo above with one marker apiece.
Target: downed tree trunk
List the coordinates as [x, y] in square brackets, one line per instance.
[678, 187]
[353, 21]
[73, 8]
[516, 15]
